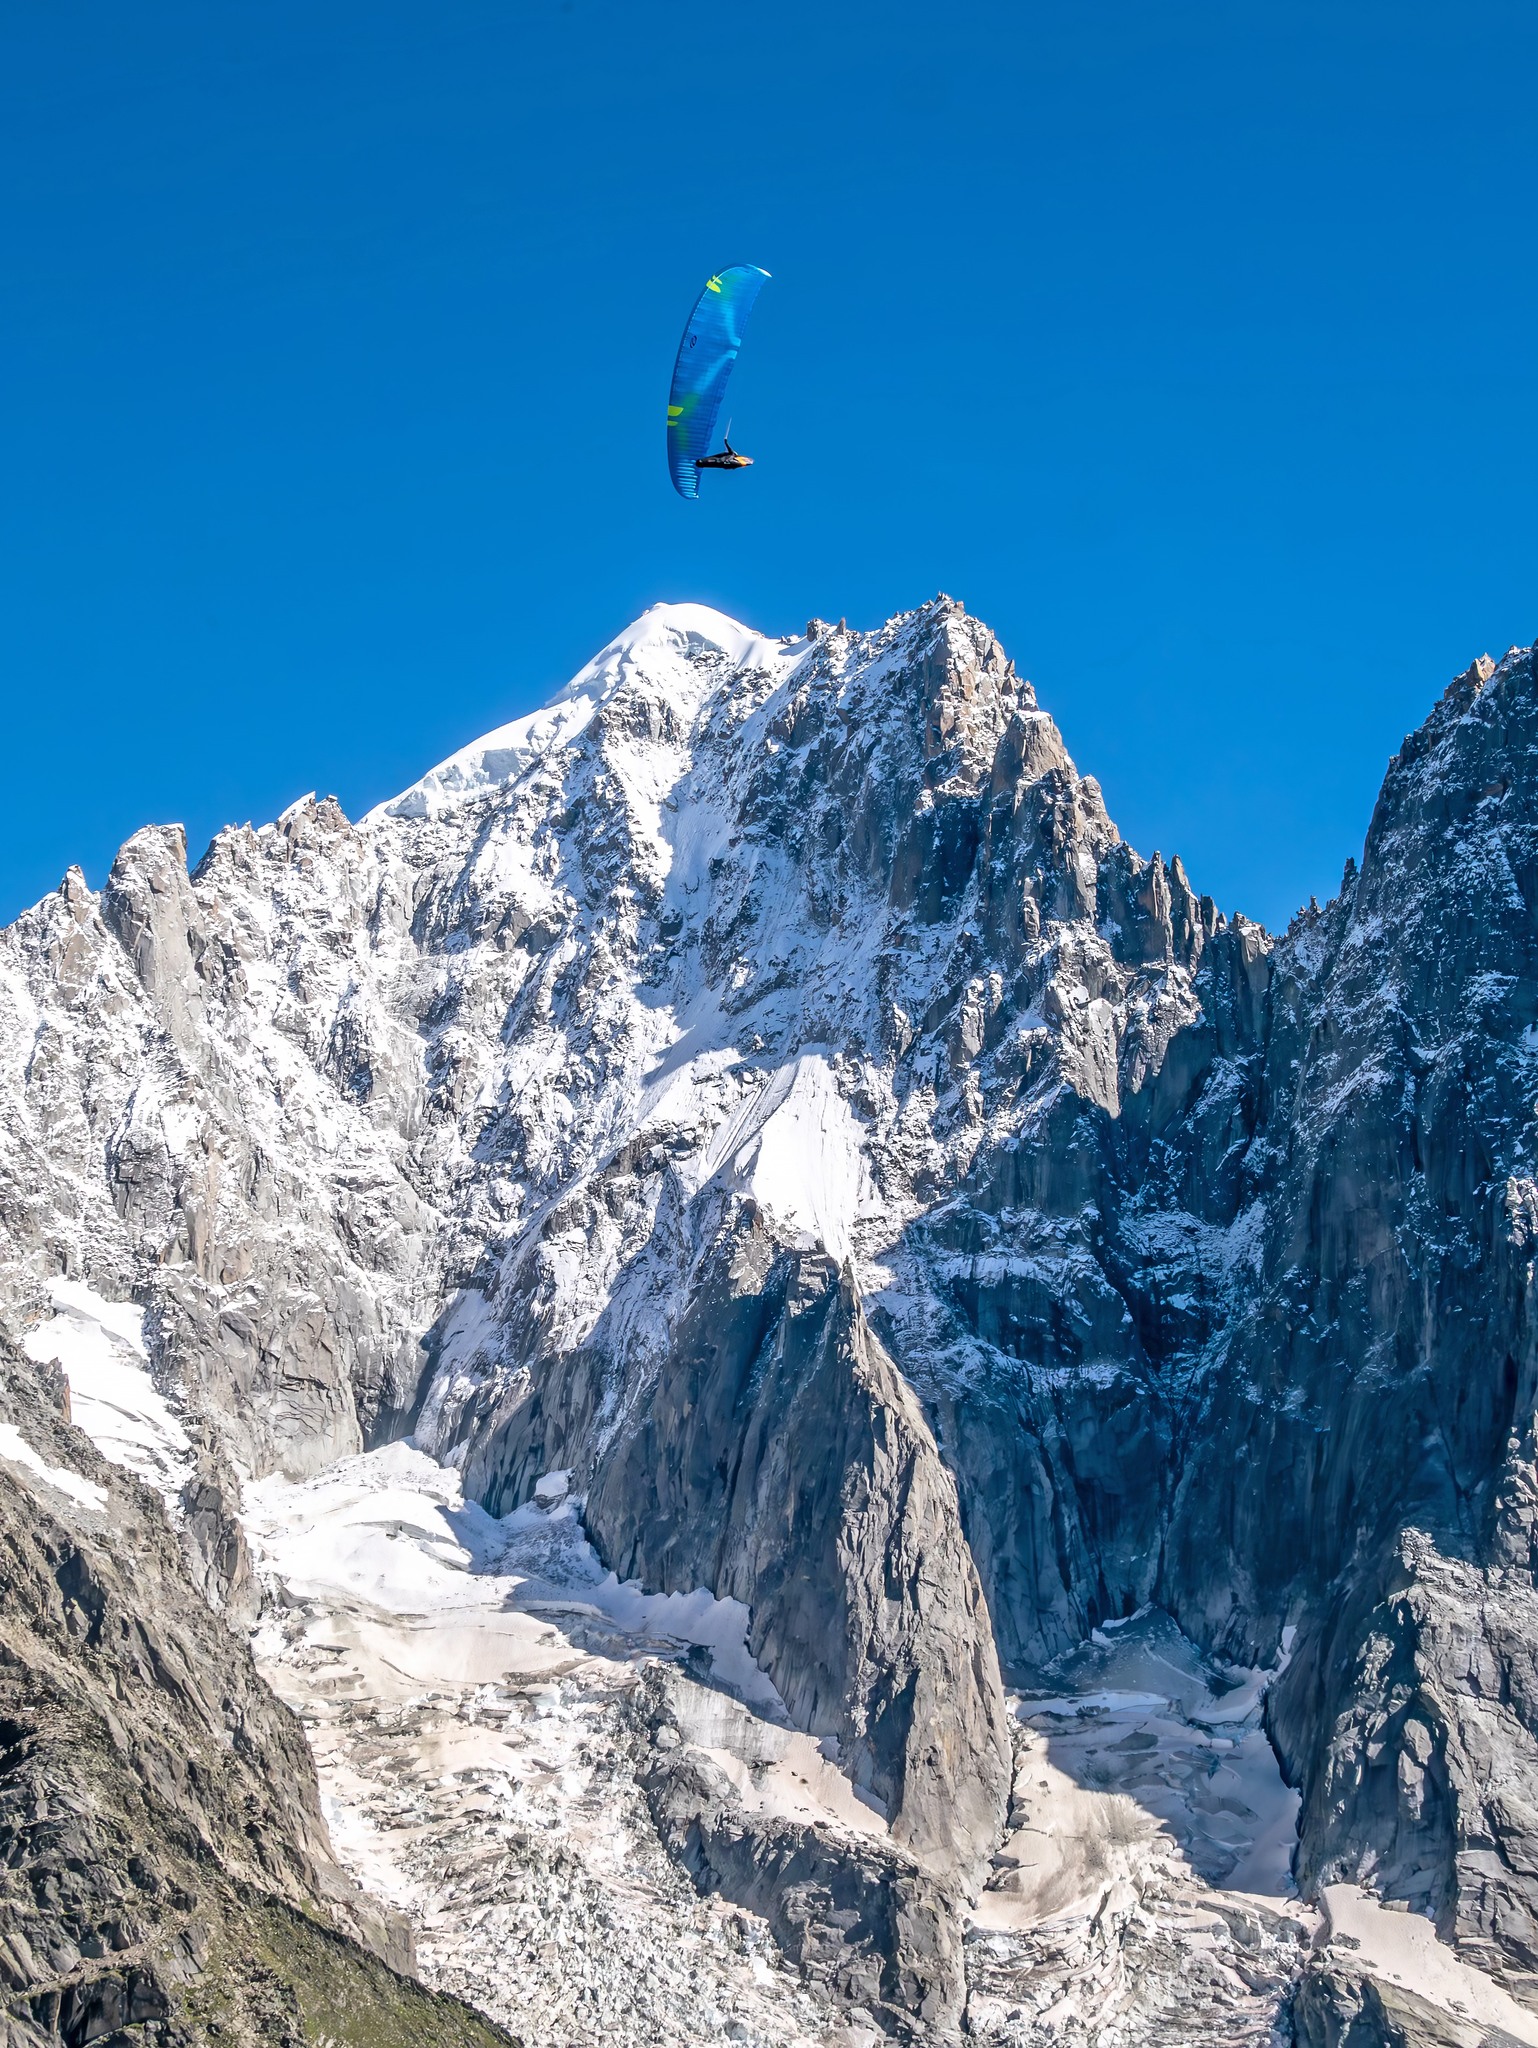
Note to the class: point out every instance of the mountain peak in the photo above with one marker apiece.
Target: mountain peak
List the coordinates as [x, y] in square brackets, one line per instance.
[675, 652]
[671, 625]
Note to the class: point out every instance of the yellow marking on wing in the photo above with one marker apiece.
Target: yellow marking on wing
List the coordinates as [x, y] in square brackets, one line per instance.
[712, 284]
[675, 412]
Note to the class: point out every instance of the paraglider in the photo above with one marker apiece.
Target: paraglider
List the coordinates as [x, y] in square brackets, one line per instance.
[700, 374]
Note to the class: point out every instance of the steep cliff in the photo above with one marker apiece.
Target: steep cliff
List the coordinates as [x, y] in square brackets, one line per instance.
[1361, 1435]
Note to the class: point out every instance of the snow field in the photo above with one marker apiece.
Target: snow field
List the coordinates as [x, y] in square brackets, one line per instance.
[14, 1446]
[453, 1595]
[100, 1345]
[659, 648]
[1405, 1949]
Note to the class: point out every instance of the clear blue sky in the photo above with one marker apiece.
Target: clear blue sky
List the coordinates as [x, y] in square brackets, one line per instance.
[1194, 346]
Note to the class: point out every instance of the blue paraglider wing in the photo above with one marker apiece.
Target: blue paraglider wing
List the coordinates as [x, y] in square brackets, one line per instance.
[705, 357]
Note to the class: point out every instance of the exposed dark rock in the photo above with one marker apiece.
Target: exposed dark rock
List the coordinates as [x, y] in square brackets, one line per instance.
[1360, 1438]
[837, 1527]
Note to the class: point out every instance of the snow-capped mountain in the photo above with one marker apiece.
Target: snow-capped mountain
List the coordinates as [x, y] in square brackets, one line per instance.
[757, 1117]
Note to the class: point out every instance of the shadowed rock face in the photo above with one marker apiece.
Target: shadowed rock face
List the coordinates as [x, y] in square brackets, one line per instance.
[765, 1083]
[837, 1526]
[1336, 2008]
[1361, 1440]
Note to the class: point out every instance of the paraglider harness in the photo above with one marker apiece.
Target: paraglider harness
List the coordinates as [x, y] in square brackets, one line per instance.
[729, 459]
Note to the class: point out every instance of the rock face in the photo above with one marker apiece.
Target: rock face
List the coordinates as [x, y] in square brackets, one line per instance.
[837, 1527]
[1335, 2008]
[764, 1085]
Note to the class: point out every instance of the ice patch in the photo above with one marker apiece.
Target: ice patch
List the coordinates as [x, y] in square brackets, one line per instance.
[551, 1488]
[1151, 1765]
[805, 1163]
[698, 1618]
[13, 1445]
[100, 1345]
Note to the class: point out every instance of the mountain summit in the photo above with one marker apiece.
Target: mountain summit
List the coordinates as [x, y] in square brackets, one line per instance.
[774, 1149]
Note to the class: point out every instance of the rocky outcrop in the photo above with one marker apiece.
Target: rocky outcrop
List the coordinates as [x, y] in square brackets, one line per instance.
[778, 1457]
[1361, 1436]
[848, 1912]
[1418, 1690]
[1336, 2007]
[836, 1524]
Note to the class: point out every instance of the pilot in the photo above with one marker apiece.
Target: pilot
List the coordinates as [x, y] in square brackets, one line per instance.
[728, 459]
